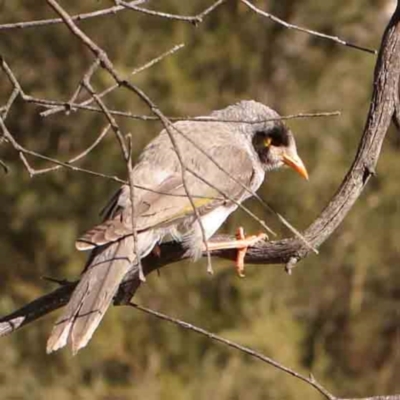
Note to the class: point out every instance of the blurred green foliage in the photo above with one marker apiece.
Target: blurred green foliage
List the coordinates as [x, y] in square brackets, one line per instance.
[337, 315]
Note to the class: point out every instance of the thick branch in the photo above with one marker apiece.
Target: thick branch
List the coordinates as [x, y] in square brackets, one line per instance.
[170, 253]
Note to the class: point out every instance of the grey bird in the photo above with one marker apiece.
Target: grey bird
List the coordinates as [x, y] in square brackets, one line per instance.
[245, 140]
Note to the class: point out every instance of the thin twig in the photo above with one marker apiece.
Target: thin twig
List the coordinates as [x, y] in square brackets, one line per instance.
[22, 151]
[57, 106]
[115, 86]
[5, 109]
[305, 30]
[138, 258]
[196, 19]
[127, 154]
[77, 18]
[62, 105]
[78, 157]
[246, 350]
[87, 76]
[169, 127]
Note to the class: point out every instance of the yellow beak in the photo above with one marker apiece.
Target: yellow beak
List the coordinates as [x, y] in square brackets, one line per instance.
[295, 162]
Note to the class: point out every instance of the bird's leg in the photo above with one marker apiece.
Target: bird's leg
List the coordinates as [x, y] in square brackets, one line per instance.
[242, 243]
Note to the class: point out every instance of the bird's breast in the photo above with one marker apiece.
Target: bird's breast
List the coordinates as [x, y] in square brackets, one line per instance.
[215, 218]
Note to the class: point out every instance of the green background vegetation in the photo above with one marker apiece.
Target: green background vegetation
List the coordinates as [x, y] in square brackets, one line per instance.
[336, 316]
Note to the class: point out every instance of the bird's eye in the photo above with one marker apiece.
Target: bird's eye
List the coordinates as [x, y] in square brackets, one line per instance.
[276, 136]
[273, 137]
[267, 141]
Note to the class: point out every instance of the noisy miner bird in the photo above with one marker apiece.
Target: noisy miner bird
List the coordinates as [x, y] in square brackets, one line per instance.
[245, 140]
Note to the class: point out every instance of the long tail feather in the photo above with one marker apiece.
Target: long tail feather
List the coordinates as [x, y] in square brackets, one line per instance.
[92, 297]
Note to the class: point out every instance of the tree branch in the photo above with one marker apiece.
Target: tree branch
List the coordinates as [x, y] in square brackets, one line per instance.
[246, 350]
[310, 380]
[305, 30]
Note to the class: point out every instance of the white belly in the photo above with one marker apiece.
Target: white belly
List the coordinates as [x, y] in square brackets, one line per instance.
[214, 219]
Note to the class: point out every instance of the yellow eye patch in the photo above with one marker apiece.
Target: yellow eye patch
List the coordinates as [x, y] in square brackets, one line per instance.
[267, 141]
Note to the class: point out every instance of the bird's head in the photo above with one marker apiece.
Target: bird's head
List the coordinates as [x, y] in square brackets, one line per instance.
[276, 147]
[271, 138]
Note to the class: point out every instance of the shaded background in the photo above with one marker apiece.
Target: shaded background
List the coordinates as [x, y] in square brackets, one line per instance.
[337, 315]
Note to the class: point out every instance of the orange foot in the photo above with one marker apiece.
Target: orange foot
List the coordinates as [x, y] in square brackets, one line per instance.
[242, 243]
[246, 242]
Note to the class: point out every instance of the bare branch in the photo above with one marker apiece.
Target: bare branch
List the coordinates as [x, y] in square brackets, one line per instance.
[113, 87]
[5, 109]
[80, 156]
[77, 18]
[196, 19]
[22, 151]
[305, 30]
[120, 6]
[86, 77]
[36, 309]
[57, 106]
[246, 350]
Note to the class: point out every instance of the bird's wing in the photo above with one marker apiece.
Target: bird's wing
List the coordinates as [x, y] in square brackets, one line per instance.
[168, 202]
